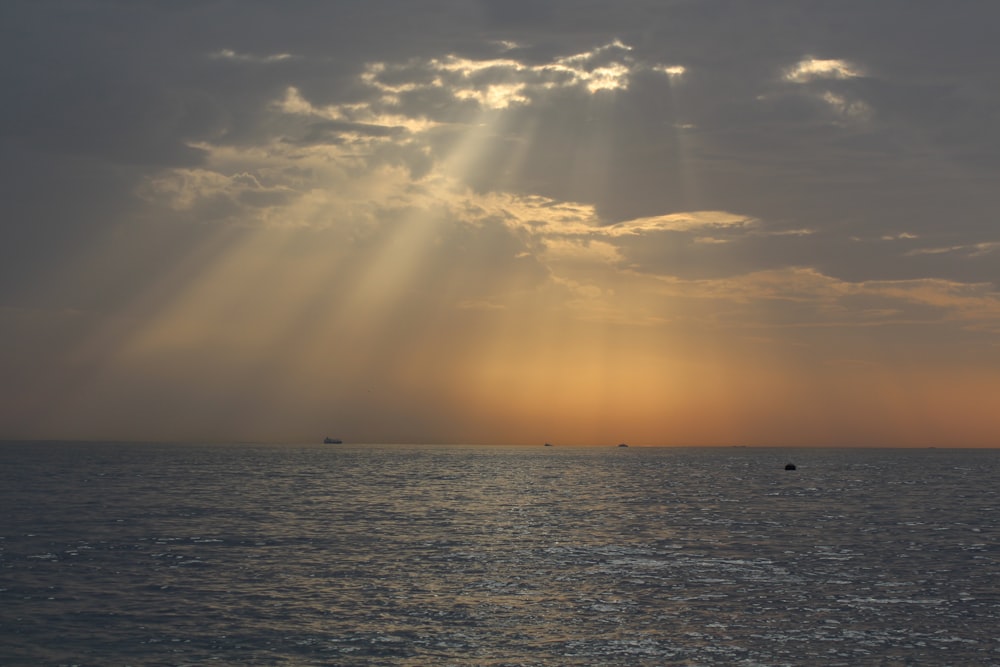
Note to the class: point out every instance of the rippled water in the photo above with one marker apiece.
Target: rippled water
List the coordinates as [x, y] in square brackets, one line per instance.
[114, 554]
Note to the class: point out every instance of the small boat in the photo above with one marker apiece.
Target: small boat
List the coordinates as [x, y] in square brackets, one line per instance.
[623, 445]
[548, 444]
[332, 441]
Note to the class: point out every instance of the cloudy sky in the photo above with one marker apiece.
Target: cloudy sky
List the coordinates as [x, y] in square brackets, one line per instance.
[591, 221]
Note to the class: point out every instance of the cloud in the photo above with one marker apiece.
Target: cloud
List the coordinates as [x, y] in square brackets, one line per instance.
[229, 54]
[682, 222]
[969, 250]
[849, 110]
[585, 251]
[369, 119]
[393, 122]
[187, 189]
[498, 83]
[562, 147]
[813, 299]
[812, 69]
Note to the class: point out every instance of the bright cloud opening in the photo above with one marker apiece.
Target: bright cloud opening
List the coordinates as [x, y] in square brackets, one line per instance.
[811, 69]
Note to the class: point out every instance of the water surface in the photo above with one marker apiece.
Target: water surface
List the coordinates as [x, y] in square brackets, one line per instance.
[415, 555]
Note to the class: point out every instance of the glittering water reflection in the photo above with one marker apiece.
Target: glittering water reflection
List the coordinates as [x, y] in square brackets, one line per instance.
[456, 555]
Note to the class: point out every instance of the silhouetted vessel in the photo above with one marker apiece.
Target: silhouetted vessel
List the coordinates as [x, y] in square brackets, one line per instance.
[623, 445]
[789, 466]
[332, 441]
[548, 444]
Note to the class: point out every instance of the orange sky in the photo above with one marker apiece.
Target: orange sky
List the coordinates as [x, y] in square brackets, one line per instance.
[272, 337]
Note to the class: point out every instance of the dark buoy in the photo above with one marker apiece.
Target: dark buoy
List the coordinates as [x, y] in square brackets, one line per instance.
[789, 466]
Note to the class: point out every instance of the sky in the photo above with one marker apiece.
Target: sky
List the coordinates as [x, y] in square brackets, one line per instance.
[663, 222]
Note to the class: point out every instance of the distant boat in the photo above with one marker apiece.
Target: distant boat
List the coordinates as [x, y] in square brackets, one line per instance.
[332, 441]
[623, 445]
[548, 444]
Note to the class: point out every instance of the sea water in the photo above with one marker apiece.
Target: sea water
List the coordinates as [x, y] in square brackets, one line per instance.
[139, 554]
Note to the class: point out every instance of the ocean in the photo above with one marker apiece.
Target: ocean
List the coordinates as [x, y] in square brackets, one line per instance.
[156, 554]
